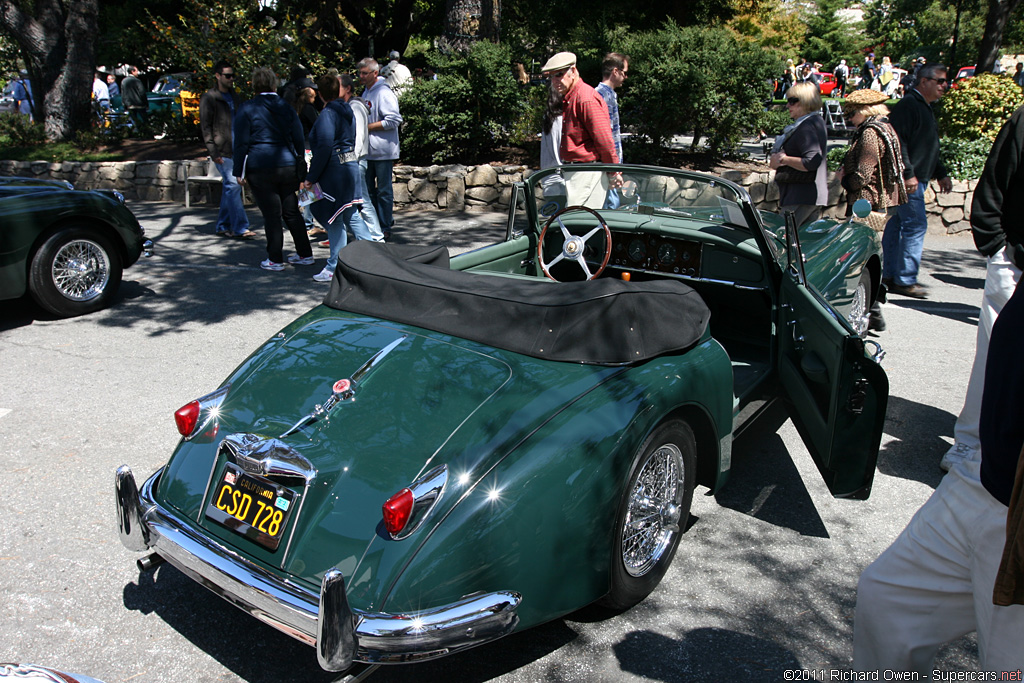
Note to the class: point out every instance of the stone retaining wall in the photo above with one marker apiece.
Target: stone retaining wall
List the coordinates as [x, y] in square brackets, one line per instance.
[452, 187]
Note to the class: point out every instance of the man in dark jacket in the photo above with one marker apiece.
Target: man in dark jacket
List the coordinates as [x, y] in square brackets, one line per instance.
[999, 236]
[903, 239]
[134, 97]
[216, 114]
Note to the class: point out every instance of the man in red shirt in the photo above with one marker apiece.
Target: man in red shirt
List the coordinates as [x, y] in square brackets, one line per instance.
[586, 133]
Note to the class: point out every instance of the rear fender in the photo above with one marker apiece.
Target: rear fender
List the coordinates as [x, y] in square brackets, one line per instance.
[546, 510]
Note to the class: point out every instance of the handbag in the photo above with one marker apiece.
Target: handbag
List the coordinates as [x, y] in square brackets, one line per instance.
[875, 220]
[787, 175]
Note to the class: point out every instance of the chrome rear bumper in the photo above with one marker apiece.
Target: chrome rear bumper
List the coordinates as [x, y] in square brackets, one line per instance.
[340, 634]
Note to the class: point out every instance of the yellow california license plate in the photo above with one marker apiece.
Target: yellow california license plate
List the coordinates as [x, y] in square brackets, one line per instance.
[250, 505]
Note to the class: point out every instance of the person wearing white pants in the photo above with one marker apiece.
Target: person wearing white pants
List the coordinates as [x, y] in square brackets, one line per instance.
[999, 194]
[936, 581]
[1001, 276]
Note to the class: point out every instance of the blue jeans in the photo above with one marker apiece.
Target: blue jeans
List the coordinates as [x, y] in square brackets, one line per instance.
[903, 239]
[231, 218]
[367, 212]
[378, 182]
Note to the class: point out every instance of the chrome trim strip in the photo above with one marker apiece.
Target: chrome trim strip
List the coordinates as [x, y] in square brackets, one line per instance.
[315, 619]
[426, 492]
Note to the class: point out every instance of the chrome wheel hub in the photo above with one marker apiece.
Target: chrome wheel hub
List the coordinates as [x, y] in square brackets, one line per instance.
[81, 270]
[573, 247]
[859, 311]
[653, 516]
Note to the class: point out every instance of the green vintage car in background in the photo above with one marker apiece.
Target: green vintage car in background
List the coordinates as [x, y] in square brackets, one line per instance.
[67, 248]
[451, 449]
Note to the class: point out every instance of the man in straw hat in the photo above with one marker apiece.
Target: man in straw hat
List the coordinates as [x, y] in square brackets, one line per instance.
[586, 133]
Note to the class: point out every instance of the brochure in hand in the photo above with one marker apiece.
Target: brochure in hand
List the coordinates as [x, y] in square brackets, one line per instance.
[313, 194]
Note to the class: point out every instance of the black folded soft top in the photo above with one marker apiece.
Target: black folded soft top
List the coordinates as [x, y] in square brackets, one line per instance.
[603, 321]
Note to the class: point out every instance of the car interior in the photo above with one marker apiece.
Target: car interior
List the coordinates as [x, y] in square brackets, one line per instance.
[661, 225]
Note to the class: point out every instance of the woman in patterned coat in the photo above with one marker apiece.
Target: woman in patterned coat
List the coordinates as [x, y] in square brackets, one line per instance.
[873, 168]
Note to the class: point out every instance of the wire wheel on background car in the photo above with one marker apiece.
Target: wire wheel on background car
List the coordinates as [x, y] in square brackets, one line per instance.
[860, 307]
[653, 513]
[75, 271]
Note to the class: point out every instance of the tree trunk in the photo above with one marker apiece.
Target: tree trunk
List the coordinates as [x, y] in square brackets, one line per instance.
[58, 45]
[467, 21]
[998, 14]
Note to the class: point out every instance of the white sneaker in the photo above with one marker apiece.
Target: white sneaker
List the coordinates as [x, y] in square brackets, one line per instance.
[267, 264]
[956, 454]
[301, 261]
[324, 275]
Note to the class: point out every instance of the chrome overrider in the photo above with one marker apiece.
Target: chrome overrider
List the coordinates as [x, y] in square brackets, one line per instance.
[325, 620]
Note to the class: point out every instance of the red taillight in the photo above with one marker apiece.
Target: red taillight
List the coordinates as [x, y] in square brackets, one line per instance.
[187, 417]
[397, 511]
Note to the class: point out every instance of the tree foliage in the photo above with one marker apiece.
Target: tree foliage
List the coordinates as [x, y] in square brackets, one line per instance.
[699, 80]
[470, 109]
[904, 29]
[829, 37]
[234, 30]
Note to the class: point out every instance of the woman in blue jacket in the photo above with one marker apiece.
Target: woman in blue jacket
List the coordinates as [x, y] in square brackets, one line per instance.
[335, 168]
[268, 138]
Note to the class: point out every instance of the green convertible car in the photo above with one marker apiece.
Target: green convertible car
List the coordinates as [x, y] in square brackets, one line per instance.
[448, 450]
[67, 248]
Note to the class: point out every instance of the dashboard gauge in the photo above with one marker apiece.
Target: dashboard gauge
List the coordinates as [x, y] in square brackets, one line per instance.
[637, 250]
[667, 254]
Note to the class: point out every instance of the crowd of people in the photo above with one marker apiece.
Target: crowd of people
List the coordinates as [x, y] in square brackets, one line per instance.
[311, 152]
[958, 567]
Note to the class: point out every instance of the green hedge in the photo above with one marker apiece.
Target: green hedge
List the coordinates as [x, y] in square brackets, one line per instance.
[472, 107]
[695, 80]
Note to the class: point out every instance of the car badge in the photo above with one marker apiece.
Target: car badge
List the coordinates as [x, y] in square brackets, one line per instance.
[343, 389]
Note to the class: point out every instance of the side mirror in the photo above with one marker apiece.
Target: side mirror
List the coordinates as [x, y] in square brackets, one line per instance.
[861, 208]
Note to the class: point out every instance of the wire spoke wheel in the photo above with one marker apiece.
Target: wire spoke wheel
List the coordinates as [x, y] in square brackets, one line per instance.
[653, 515]
[76, 270]
[81, 270]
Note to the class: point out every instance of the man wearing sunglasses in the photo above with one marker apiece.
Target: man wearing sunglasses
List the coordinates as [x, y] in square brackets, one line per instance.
[216, 113]
[586, 133]
[903, 239]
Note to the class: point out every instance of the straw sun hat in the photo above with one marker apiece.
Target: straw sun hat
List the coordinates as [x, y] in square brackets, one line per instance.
[865, 97]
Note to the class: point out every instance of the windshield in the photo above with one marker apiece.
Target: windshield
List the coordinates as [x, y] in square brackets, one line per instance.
[652, 191]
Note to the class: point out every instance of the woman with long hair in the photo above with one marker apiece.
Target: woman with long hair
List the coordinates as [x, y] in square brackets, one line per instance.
[335, 167]
[553, 186]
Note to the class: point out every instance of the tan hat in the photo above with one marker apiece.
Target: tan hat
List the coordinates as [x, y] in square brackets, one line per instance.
[866, 97]
[563, 60]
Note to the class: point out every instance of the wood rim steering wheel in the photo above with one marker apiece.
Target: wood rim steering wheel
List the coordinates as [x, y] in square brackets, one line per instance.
[575, 245]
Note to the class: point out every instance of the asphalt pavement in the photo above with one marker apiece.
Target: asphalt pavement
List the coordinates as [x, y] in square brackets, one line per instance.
[764, 581]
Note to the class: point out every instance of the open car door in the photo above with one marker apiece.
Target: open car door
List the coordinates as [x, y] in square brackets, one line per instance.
[837, 394]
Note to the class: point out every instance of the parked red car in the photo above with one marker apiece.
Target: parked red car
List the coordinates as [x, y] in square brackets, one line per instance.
[828, 83]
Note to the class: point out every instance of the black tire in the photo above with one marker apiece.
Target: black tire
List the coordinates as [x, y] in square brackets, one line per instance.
[860, 306]
[645, 538]
[77, 270]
